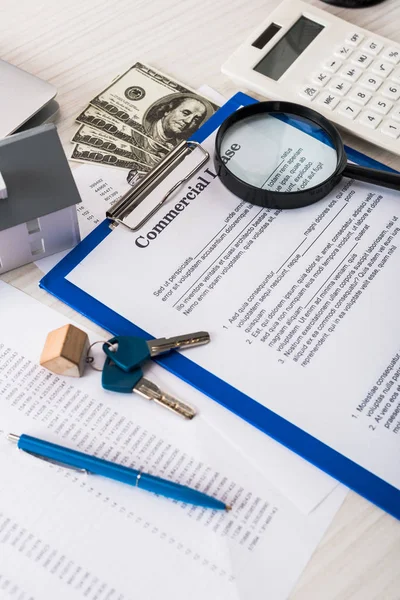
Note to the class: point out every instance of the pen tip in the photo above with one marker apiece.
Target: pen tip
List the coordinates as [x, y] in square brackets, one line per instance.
[228, 507]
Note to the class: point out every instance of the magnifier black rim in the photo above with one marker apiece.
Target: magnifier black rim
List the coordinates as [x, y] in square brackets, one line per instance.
[270, 198]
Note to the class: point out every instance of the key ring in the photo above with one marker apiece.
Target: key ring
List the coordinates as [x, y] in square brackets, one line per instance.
[90, 359]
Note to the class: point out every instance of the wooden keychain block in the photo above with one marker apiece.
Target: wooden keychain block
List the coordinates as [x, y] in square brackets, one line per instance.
[65, 351]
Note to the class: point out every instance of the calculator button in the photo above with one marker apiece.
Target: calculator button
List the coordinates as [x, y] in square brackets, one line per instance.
[395, 114]
[390, 90]
[382, 68]
[333, 65]
[391, 128]
[354, 38]
[395, 76]
[309, 92]
[372, 46]
[370, 82]
[392, 55]
[380, 105]
[320, 78]
[343, 51]
[349, 109]
[339, 86]
[360, 96]
[350, 73]
[361, 59]
[328, 100]
[370, 119]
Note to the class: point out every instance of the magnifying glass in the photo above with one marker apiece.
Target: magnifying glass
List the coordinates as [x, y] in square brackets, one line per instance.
[284, 155]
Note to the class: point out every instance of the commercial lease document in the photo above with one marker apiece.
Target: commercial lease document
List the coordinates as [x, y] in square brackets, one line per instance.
[72, 536]
[302, 305]
[299, 481]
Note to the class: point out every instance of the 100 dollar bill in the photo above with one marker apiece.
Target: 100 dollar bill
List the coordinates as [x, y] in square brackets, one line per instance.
[89, 136]
[87, 154]
[158, 109]
[107, 124]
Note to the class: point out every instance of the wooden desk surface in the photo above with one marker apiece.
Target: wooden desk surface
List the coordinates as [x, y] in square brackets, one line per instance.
[79, 46]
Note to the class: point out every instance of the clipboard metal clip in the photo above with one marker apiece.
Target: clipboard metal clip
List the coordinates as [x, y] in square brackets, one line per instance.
[133, 198]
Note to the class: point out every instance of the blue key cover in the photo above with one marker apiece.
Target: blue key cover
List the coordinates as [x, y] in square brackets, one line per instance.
[130, 352]
[116, 380]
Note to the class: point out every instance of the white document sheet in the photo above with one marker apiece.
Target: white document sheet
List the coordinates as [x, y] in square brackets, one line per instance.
[68, 535]
[301, 305]
[298, 480]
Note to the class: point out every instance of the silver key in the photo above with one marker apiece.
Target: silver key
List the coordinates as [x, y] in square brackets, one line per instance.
[115, 379]
[128, 352]
[161, 345]
[149, 390]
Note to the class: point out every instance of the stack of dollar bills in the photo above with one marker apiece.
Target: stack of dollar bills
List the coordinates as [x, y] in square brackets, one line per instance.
[137, 120]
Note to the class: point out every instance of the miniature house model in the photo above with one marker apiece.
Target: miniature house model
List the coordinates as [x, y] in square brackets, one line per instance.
[38, 198]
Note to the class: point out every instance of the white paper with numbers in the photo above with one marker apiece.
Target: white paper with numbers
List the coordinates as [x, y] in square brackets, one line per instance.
[72, 536]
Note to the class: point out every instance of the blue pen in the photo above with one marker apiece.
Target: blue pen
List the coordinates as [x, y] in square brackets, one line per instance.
[98, 466]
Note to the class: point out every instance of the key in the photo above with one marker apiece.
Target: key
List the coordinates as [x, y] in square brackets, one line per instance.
[372, 46]
[395, 76]
[116, 380]
[381, 67]
[360, 95]
[370, 119]
[308, 91]
[333, 65]
[339, 86]
[391, 129]
[321, 78]
[380, 105]
[343, 51]
[391, 90]
[354, 38]
[392, 54]
[370, 82]
[395, 114]
[350, 73]
[328, 100]
[349, 109]
[129, 352]
[361, 59]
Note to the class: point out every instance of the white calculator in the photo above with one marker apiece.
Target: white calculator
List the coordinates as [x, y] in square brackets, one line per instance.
[303, 54]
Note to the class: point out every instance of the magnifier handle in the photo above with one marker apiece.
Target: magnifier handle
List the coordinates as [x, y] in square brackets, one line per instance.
[375, 176]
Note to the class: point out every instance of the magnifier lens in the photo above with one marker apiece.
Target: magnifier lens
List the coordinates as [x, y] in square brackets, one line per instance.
[280, 152]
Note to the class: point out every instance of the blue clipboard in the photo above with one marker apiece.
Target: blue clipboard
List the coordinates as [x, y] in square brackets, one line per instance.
[321, 455]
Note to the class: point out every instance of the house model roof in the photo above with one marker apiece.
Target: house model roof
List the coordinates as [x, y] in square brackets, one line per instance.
[37, 175]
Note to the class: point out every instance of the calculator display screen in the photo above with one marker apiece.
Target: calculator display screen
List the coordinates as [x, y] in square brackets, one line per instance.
[289, 47]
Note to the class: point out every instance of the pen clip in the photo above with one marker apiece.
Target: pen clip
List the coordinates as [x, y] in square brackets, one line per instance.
[57, 463]
[15, 438]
